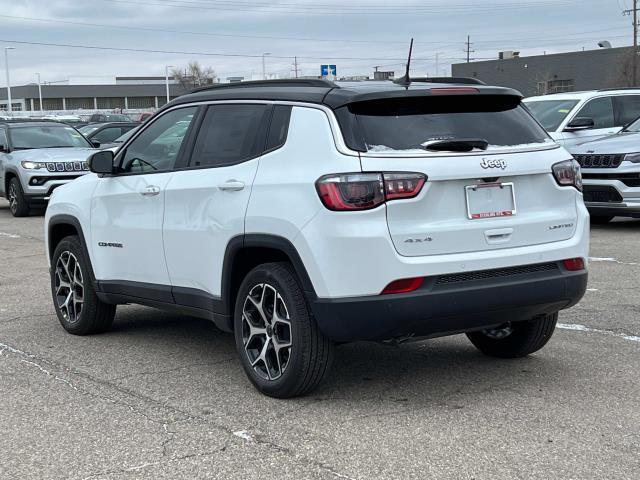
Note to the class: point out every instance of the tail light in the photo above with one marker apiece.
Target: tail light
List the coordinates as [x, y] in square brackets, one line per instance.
[363, 191]
[574, 264]
[405, 285]
[567, 174]
[454, 90]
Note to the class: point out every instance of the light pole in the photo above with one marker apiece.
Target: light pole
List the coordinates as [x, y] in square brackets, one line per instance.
[264, 71]
[166, 78]
[40, 93]
[6, 65]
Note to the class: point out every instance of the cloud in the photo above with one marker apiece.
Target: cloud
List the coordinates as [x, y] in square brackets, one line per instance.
[367, 31]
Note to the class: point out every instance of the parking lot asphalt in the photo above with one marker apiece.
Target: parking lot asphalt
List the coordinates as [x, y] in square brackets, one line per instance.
[164, 396]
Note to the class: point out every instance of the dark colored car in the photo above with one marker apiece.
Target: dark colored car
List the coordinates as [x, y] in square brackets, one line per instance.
[108, 117]
[103, 133]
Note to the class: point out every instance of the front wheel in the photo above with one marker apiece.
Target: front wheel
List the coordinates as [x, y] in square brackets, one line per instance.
[79, 310]
[281, 348]
[18, 204]
[516, 339]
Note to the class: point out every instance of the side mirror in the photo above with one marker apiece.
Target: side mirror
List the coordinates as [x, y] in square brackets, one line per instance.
[95, 143]
[101, 162]
[3, 148]
[580, 123]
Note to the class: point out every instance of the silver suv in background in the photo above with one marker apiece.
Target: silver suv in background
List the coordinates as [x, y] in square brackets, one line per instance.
[578, 117]
[36, 158]
[611, 174]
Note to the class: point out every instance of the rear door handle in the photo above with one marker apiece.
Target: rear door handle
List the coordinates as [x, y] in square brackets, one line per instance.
[150, 191]
[231, 186]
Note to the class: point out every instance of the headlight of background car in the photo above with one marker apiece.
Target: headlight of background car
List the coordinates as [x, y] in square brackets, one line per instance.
[632, 157]
[32, 165]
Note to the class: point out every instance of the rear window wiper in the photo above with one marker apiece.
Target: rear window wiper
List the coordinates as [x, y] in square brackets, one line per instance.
[456, 145]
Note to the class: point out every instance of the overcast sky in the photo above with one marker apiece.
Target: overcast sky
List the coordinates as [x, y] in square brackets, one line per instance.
[354, 34]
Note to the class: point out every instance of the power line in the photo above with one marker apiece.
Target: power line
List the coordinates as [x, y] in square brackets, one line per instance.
[267, 8]
[177, 52]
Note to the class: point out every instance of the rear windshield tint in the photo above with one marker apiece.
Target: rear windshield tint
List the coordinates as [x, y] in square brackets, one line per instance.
[407, 124]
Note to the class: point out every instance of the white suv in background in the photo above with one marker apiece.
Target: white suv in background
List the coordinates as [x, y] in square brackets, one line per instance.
[578, 117]
[300, 214]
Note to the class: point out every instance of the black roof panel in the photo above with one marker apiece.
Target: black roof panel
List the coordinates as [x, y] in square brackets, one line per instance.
[331, 94]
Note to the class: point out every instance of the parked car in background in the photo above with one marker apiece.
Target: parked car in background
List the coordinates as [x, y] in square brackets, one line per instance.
[578, 117]
[109, 117]
[73, 120]
[611, 174]
[326, 212]
[143, 117]
[35, 158]
[117, 143]
[105, 133]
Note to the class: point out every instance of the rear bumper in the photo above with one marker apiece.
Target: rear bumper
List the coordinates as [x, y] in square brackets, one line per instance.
[439, 309]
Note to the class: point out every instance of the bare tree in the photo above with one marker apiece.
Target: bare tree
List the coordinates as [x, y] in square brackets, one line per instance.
[194, 76]
[622, 76]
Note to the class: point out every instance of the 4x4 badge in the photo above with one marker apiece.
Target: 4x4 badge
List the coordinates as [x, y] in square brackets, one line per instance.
[486, 163]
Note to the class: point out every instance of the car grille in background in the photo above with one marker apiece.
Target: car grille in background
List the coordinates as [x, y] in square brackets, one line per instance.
[67, 166]
[601, 194]
[612, 160]
[629, 179]
[497, 273]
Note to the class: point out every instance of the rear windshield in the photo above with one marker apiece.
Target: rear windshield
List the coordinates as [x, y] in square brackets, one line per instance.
[407, 124]
[49, 136]
[551, 113]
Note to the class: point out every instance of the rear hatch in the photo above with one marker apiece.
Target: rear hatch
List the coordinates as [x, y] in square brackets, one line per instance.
[504, 196]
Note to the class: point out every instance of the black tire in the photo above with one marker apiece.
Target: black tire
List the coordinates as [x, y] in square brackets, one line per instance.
[94, 316]
[601, 219]
[525, 338]
[310, 356]
[18, 204]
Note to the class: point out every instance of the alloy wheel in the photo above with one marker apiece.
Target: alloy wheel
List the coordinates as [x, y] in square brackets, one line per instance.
[266, 331]
[499, 333]
[13, 198]
[69, 286]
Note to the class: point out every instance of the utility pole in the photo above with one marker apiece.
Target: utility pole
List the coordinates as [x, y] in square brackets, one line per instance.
[634, 61]
[635, 41]
[437, 66]
[468, 48]
[295, 66]
[40, 93]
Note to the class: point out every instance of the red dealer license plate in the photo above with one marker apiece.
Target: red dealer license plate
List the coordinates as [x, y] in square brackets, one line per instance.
[490, 200]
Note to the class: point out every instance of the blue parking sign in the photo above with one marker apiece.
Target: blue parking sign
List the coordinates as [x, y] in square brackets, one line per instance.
[328, 70]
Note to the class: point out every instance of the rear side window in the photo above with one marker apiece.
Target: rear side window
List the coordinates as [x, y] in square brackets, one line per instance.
[279, 127]
[3, 138]
[407, 123]
[626, 108]
[230, 134]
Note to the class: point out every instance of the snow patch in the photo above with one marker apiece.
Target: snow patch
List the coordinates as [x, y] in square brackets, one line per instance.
[9, 235]
[583, 328]
[244, 435]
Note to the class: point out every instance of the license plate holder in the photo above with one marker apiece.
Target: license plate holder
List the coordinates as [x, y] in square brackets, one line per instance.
[490, 200]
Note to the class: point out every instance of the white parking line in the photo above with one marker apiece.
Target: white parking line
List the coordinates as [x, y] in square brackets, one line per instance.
[582, 328]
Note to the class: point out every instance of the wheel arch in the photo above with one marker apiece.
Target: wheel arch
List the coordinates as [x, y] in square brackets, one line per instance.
[245, 252]
[61, 226]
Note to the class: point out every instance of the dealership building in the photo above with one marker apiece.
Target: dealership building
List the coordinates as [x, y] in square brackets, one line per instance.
[554, 73]
[128, 93]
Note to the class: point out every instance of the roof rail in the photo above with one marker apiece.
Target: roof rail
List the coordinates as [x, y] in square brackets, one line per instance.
[617, 88]
[460, 80]
[29, 120]
[285, 82]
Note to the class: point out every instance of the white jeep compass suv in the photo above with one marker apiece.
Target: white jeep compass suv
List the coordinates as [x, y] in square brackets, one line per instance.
[301, 214]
